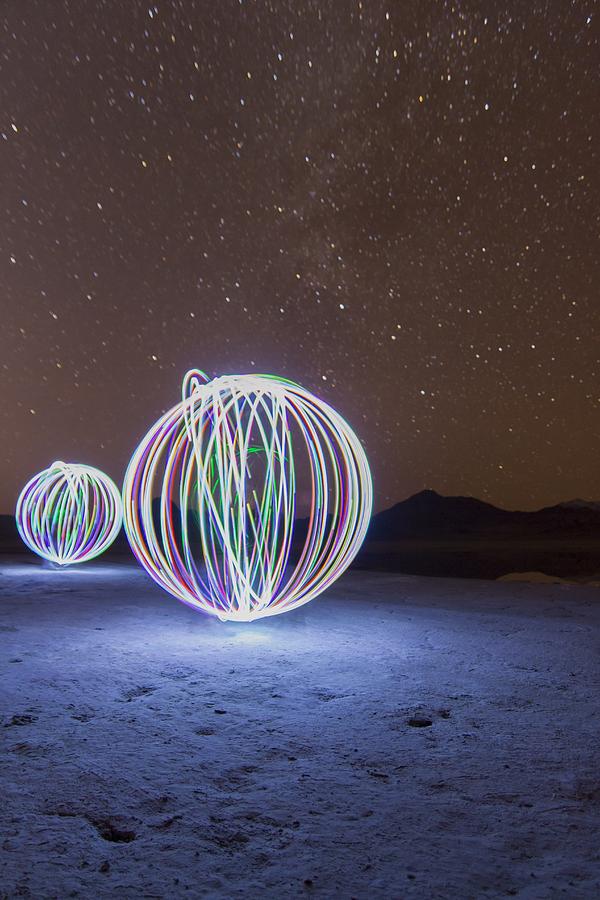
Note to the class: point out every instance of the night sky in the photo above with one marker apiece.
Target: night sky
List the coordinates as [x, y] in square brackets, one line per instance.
[389, 202]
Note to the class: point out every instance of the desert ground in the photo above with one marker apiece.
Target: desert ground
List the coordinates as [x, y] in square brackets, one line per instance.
[401, 736]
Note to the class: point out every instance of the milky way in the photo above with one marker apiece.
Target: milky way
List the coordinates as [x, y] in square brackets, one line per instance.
[390, 203]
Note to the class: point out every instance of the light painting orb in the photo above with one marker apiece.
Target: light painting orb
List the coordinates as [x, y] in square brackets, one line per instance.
[69, 513]
[213, 496]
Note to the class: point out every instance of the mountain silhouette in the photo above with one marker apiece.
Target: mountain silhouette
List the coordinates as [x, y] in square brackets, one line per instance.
[424, 516]
[429, 515]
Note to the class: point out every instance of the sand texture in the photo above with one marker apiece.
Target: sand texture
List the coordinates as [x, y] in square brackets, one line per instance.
[398, 737]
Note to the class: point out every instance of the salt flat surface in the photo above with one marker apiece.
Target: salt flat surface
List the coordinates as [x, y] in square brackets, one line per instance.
[149, 751]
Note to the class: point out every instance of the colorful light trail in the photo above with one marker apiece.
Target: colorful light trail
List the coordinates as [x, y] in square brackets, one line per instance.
[210, 496]
[69, 513]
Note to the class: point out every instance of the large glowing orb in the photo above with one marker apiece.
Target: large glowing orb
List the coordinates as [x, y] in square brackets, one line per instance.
[212, 494]
[69, 513]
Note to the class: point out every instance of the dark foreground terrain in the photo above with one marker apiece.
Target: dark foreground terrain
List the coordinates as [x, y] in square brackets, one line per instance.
[399, 737]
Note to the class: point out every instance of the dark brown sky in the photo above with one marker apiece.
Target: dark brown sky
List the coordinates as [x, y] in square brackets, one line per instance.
[391, 203]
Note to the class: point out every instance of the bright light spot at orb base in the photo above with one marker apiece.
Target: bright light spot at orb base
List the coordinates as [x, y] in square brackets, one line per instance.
[69, 513]
[209, 496]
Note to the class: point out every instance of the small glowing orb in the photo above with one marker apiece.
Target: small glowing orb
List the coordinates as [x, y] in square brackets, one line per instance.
[69, 513]
[248, 498]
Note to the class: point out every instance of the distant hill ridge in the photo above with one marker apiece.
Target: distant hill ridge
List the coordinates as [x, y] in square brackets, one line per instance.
[429, 515]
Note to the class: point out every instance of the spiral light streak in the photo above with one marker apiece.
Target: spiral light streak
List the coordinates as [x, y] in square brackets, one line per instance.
[69, 513]
[209, 496]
